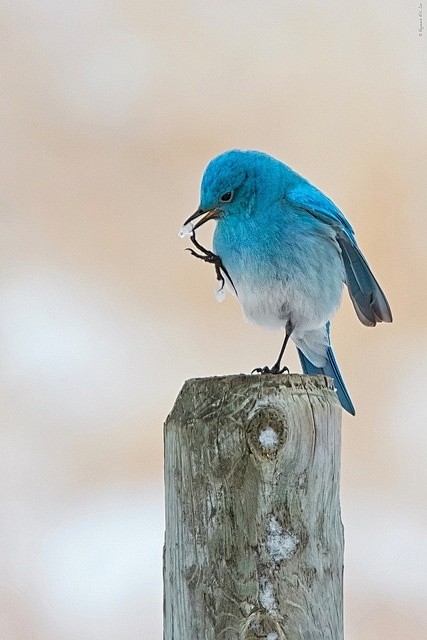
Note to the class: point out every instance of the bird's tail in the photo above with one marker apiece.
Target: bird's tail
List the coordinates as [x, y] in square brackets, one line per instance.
[329, 369]
[366, 294]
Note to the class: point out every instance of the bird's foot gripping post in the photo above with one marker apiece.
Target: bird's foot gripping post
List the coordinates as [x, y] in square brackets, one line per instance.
[274, 370]
[254, 540]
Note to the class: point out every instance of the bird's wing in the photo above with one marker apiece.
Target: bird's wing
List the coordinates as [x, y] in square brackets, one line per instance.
[307, 197]
[369, 301]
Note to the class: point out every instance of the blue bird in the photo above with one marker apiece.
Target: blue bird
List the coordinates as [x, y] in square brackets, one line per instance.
[286, 250]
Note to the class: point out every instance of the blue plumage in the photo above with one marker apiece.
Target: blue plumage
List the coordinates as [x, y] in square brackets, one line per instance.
[288, 250]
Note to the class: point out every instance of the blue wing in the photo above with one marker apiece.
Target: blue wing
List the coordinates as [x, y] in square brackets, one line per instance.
[366, 294]
[307, 197]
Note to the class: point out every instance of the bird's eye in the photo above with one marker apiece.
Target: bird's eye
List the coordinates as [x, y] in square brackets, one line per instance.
[226, 197]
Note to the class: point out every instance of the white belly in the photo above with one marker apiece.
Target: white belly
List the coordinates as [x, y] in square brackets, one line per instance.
[307, 300]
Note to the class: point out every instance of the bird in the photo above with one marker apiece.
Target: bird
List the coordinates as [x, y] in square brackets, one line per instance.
[286, 252]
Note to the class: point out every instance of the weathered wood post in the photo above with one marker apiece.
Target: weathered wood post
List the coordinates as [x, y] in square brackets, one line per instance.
[254, 539]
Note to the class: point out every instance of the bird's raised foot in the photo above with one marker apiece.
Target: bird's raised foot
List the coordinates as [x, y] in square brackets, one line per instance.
[275, 369]
[206, 257]
[212, 258]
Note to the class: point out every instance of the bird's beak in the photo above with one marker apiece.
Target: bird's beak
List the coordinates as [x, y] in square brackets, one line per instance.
[211, 214]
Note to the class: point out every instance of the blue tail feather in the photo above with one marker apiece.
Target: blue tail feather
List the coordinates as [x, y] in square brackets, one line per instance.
[366, 294]
[330, 369]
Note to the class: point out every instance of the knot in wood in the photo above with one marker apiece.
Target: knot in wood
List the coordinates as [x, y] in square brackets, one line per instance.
[266, 432]
[259, 626]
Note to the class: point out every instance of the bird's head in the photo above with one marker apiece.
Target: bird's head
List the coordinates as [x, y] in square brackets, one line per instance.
[230, 184]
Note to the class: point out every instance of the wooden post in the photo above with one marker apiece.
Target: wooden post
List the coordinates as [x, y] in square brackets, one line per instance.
[254, 540]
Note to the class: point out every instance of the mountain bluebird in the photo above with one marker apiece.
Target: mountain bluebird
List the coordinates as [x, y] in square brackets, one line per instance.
[285, 250]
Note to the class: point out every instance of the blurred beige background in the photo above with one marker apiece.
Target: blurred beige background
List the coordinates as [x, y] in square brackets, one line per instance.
[110, 111]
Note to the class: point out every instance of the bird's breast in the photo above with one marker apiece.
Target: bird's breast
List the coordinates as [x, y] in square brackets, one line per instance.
[281, 273]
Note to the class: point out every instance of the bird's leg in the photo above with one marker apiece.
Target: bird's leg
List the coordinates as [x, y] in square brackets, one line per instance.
[212, 258]
[276, 366]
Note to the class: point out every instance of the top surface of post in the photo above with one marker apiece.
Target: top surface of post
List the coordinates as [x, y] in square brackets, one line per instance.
[296, 382]
[257, 386]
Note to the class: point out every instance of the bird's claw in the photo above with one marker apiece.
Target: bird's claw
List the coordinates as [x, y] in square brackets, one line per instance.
[212, 258]
[260, 370]
[207, 257]
[274, 370]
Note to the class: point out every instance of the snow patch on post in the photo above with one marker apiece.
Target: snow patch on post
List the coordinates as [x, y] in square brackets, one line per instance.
[269, 439]
[281, 544]
[266, 595]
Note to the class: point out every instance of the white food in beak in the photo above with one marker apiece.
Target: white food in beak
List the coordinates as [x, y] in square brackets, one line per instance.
[186, 230]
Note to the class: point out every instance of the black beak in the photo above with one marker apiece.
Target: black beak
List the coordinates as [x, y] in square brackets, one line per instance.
[211, 214]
